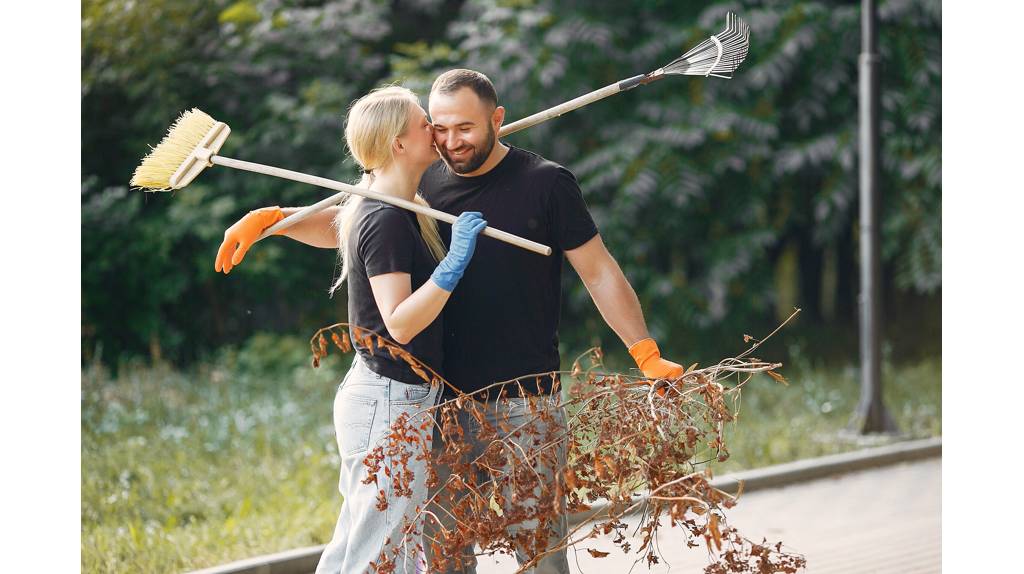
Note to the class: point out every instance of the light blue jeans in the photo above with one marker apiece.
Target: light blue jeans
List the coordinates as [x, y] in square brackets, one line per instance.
[364, 408]
[518, 413]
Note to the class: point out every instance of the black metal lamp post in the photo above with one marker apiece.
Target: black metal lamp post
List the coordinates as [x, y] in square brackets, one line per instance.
[871, 415]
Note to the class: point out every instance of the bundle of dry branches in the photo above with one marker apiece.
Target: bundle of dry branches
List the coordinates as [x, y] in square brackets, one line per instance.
[501, 480]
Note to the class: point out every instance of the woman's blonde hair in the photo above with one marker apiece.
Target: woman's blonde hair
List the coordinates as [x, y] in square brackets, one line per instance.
[373, 123]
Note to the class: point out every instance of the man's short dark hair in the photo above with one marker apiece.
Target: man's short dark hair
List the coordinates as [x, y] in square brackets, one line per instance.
[454, 80]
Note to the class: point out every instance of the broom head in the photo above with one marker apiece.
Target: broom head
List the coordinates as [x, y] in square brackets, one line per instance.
[183, 153]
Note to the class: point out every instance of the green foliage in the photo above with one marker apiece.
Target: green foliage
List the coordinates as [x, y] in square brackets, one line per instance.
[241, 13]
[725, 202]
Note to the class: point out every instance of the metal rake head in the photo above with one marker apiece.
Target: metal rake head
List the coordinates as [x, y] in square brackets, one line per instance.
[717, 56]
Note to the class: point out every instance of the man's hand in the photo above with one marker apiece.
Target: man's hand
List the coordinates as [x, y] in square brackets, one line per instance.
[647, 356]
[239, 237]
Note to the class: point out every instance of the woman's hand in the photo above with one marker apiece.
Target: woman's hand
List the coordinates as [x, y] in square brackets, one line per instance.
[463, 244]
[239, 237]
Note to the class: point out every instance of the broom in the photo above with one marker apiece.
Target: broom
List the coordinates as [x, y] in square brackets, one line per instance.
[192, 143]
[717, 56]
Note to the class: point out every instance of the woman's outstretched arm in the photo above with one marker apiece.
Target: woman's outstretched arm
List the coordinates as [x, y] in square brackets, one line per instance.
[317, 230]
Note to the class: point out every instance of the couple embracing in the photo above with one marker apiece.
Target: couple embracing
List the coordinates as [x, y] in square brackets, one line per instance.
[477, 311]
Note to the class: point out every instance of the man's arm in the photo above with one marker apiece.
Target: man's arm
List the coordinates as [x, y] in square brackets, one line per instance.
[609, 289]
[619, 306]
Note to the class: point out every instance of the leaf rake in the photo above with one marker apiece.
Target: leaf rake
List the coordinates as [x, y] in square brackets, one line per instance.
[717, 56]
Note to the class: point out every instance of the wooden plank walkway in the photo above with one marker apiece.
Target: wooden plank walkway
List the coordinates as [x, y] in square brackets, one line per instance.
[880, 521]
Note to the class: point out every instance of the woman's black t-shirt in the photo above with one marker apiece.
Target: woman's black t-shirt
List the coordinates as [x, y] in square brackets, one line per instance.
[386, 239]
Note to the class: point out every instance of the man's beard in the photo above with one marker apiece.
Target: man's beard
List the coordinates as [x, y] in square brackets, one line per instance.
[475, 159]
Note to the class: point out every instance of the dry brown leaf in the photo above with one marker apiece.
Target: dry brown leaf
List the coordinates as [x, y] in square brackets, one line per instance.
[716, 535]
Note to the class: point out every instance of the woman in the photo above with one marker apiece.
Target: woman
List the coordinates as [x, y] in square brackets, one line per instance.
[395, 285]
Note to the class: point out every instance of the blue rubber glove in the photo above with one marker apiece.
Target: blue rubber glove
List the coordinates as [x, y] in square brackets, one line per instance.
[464, 232]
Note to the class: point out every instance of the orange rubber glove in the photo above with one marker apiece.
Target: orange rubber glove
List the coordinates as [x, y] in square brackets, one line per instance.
[647, 356]
[239, 237]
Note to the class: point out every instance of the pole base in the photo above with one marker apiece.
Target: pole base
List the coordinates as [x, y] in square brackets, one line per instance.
[872, 418]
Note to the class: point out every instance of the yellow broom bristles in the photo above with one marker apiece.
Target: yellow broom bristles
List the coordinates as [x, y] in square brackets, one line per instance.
[154, 174]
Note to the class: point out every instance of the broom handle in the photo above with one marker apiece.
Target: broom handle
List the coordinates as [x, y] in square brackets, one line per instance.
[609, 90]
[345, 189]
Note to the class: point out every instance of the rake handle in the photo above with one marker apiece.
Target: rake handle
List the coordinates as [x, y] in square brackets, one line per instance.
[609, 90]
[345, 189]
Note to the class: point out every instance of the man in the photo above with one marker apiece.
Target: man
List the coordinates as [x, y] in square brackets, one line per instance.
[501, 322]
[510, 294]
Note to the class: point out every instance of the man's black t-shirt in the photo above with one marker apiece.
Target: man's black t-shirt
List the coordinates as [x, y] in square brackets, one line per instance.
[501, 322]
[386, 239]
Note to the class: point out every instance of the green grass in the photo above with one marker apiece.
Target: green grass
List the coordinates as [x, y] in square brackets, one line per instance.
[183, 471]
[237, 457]
[809, 417]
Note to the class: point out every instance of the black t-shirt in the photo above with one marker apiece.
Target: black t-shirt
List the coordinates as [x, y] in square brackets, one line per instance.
[386, 239]
[502, 319]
